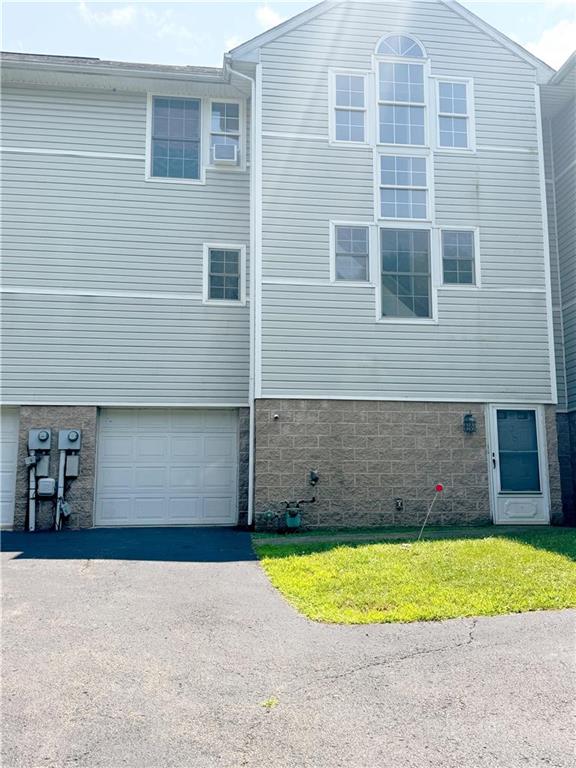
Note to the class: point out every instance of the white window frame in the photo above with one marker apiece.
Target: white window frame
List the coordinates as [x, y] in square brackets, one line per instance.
[434, 276]
[372, 232]
[469, 116]
[367, 110]
[241, 166]
[477, 268]
[429, 185]
[426, 65]
[206, 248]
[148, 161]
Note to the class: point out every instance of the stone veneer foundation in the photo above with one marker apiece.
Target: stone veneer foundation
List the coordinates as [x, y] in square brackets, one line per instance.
[81, 490]
[369, 453]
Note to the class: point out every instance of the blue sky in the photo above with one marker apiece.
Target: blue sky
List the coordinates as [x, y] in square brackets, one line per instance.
[199, 32]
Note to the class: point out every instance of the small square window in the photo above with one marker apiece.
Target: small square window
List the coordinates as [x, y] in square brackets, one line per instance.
[224, 274]
[352, 253]
[458, 258]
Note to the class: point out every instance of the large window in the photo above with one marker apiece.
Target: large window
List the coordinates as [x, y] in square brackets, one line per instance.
[401, 103]
[403, 187]
[458, 259]
[405, 273]
[351, 253]
[224, 267]
[349, 98]
[225, 131]
[175, 138]
[453, 115]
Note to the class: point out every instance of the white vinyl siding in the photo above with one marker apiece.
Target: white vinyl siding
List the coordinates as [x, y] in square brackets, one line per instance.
[322, 338]
[90, 247]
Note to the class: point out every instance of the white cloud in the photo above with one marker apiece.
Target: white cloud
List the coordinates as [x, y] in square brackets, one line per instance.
[165, 26]
[267, 17]
[555, 44]
[116, 17]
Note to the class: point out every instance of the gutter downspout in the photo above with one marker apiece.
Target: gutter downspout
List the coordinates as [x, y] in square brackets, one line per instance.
[253, 241]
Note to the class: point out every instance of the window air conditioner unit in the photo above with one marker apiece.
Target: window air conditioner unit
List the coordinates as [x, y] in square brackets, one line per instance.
[225, 154]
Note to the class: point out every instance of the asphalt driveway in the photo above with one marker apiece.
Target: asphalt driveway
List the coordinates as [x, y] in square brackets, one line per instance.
[154, 648]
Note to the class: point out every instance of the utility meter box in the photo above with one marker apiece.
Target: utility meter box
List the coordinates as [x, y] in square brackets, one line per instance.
[72, 465]
[39, 439]
[69, 439]
[46, 487]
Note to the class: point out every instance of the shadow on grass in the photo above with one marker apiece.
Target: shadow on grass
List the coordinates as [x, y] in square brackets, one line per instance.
[561, 541]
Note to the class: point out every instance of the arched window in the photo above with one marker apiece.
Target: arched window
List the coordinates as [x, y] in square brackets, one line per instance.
[400, 45]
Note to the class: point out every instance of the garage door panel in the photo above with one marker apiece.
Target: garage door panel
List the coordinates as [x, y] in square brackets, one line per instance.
[217, 510]
[187, 478]
[219, 448]
[218, 479]
[116, 447]
[151, 447]
[167, 467]
[185, 509]
[151, 478]
[190, 447]
[9, 418]
[114, 510]
[114, 477]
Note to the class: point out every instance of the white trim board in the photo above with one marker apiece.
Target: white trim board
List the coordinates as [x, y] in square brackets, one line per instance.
[116, 404]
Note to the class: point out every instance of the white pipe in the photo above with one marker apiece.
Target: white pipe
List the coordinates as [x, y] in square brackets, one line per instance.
[251, 380]
[32, 495]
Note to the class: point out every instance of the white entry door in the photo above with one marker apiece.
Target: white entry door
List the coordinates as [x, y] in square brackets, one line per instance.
[8, 463]
[167, 466]
[518, 465]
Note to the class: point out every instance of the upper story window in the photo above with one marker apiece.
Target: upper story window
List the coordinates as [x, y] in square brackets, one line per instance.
[401, 92]
[406, 281]
[458, 257]
[225, 132]
[403, 187]
[454, 114]
[224, 273]
[351, 253]
[349, 107]
[175, 138]
[400, 45]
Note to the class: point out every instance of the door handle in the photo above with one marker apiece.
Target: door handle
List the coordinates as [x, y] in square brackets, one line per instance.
[493, 460]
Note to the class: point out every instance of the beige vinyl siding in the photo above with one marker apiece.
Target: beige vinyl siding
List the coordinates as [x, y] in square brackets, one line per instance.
[323, 340]
[79, 225]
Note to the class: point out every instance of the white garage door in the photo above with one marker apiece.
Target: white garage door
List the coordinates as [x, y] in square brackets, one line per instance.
[167, 467]
[8, 459]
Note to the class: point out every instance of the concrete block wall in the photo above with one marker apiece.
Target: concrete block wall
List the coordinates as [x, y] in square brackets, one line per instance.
[243, 463]
[81, 493]
[370, 453]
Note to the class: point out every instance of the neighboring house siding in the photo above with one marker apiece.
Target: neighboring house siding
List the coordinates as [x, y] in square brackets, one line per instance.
[321, 339]
[104, 270]
[564, 149]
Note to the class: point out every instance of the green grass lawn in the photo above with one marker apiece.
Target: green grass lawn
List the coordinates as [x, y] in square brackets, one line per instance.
[372, 582]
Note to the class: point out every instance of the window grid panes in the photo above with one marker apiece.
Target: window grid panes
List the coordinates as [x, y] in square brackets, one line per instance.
[400, 45]
[175, 138]
[352, 253]
[453, 115]
[401, 103]
[405, 273]
[458, 258]
[403, 187]
[225, 125]
[350, 109]
[224, 274]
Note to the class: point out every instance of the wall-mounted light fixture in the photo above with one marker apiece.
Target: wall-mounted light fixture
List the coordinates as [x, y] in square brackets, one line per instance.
[469, 423]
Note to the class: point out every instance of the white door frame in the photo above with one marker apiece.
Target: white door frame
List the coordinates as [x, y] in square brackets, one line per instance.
[492, 447]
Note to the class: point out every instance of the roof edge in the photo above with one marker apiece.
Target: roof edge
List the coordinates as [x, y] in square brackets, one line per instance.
[564, 70]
